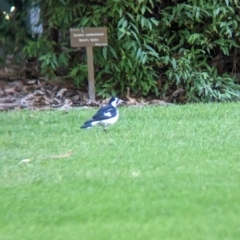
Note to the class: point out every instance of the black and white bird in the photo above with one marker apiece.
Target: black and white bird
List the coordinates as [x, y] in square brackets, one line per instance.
[105, 116]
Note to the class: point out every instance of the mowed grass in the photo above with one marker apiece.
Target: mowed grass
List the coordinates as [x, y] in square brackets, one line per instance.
[159, 173]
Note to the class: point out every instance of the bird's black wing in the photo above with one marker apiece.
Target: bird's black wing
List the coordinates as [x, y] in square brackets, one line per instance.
[104, 113]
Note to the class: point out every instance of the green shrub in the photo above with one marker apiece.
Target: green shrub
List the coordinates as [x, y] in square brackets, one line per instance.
[154, 46]
[194, 32]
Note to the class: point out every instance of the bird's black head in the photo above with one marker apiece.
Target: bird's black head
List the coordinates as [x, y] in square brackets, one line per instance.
[114, 101]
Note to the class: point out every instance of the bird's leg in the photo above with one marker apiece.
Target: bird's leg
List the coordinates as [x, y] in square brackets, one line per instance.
[104, 129]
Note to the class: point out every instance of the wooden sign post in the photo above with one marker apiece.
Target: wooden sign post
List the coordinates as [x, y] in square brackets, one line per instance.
[89, 38]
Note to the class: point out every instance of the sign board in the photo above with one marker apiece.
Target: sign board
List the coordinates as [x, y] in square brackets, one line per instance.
[89, 37]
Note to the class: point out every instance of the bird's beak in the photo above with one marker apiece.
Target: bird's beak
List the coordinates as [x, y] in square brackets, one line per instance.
[120, 101]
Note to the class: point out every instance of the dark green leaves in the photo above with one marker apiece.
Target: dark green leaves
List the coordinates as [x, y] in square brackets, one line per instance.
[147, 38]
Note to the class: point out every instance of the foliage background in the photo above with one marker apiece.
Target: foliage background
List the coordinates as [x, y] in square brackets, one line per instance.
[155, 47]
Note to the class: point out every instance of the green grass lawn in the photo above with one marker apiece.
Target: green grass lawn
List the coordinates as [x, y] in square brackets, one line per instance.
[159, 173]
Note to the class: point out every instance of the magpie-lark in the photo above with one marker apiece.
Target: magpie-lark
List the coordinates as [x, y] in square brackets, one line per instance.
[105, 116]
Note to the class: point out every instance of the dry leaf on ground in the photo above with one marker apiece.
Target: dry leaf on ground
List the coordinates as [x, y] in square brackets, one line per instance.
[64, 155]
[25, 161]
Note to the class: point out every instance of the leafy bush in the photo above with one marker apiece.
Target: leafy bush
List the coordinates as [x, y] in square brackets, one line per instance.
[194, 32]
[154, 46]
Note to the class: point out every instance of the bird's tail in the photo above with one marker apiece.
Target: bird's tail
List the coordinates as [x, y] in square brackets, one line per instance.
[87, 124]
